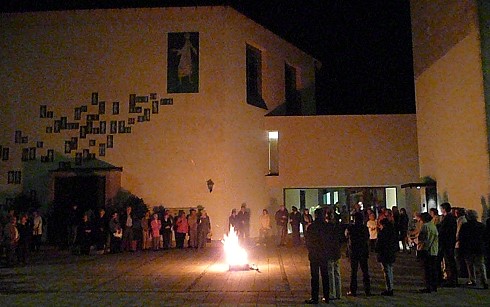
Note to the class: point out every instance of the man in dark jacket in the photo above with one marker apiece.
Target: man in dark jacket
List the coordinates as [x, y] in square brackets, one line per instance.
[316, 243]
[358, 236]
[447, 241]
[333, 233]
[281, 218]
[295, 220]
[471, 238]
[386, 248]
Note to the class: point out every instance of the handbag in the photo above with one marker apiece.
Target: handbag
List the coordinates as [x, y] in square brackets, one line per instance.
[118, 233]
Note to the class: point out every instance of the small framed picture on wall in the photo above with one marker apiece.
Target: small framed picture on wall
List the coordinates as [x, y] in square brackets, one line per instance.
[5, 153]
[43, 111]
[32, 153]
[154, 107]
[95, 98]
[110, 141]
[113, 126]
[102, 149]
[115, 108]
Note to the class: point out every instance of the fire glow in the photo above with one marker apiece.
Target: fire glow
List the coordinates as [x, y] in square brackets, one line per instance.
[236, 256]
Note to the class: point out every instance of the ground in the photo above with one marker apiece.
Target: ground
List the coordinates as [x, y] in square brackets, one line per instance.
[200, 277]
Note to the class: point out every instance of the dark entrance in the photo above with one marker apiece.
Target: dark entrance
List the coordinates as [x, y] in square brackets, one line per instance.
[87, 192]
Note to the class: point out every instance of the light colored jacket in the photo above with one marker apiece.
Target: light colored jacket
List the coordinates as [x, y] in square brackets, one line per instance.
[37, 227]
[428, 239]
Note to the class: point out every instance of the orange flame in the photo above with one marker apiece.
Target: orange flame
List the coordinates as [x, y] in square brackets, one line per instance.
[235, 254]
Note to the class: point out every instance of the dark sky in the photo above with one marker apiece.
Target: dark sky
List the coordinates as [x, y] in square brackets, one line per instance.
[364, 46]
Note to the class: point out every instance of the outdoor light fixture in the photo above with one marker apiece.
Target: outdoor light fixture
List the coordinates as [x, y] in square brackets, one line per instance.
[210, 184]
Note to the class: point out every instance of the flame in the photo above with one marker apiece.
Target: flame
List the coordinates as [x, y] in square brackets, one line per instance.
[235, 254]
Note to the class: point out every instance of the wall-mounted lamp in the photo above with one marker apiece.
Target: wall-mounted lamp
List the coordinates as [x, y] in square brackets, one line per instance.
[210, 184]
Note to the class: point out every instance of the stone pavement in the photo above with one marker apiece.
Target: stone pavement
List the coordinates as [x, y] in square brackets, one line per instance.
[201, 278]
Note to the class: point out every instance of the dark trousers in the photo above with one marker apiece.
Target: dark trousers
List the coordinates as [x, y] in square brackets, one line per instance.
[430, 272]
[315, 268]
[127, 238]
[366, 279]
[36, 242]
[295, 234]
[179, 239]
[23, 252]
[447, 254]
[167, 239]
[282, 232]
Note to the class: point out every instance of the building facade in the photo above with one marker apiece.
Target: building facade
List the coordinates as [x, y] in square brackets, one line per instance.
[451, 56]
[162, 101]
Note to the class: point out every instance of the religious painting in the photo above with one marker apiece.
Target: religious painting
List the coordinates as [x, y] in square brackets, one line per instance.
[183, 62]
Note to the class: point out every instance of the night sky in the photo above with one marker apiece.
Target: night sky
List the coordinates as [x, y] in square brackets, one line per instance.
[364, 46]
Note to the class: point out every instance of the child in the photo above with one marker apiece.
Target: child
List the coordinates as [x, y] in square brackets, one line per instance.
[156, 224]
[373, 231]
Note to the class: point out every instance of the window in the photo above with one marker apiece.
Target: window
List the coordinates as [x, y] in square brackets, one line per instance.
[273, 153]
[293, 103]
[391, 199]
[254, 78]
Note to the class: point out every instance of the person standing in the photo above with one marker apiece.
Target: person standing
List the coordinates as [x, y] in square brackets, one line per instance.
[73, 220]
[37, 231]
[116, 234]
[447, 242]
[243, 223]
[372, 226]
[100, 231]
[281, 218]
[203, 229]
[472, 241]
[334, 240]
[232, 220]
[181, 228]
[25, 234]
[386, 248]
[155, 225]
[85, 235]
[127, 220]
[145, 229]
[295, 221]
[306, 219]
[403, 229]
[11, 238]
[265, 227]
[316, 243]
[357, 237]
[192, 220]
[427, 249]
[167, 230]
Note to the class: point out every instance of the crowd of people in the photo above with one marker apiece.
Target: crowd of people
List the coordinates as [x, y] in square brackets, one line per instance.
[86, 232]
[445, 245]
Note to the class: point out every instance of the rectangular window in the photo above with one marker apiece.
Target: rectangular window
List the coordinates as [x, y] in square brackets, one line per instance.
[254, 77]
[391, 199]
[273, 153]
[293, 104]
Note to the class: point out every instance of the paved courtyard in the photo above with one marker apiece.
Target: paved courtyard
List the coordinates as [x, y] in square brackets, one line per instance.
[200, 277]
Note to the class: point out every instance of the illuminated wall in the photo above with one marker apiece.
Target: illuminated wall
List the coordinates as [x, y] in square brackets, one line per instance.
[345, 151]
[59, 59]
[55, 65]
[451, 115]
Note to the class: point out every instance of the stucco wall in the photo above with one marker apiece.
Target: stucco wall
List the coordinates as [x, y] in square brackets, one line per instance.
[341, 151]
[451, 125]
[59, 58]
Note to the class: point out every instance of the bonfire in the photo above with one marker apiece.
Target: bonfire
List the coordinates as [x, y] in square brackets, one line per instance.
[236, 256]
